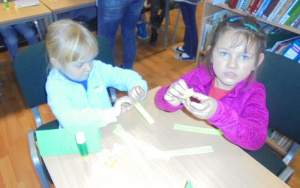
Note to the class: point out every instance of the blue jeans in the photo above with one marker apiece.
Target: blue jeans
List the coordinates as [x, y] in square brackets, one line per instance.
[112, 14]
[190, 39]
[11, 38]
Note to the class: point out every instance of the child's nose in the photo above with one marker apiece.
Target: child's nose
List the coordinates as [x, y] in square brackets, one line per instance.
[87, 67]
[232, 63]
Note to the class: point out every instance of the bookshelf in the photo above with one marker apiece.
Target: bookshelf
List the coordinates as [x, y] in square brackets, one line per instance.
[209, 9]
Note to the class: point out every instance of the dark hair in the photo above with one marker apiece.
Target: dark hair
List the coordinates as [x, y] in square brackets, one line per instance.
[246, 27]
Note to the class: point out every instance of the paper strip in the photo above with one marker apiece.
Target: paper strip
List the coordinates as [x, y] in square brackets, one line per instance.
[211, 131]
[188, 93]
[144, 113]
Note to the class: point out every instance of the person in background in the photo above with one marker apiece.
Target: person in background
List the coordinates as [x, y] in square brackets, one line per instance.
[141, 26]
[77, 84]
[224, 89]
[157, 18]
[125, 13]
[188, 51]
[11, 39]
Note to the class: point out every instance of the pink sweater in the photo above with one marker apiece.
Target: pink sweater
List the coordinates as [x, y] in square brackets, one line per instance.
[241, 115]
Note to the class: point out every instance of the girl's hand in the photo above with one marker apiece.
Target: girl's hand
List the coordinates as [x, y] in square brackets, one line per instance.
[137, 93]
[203, 110]
[176, 92]
[122, 105]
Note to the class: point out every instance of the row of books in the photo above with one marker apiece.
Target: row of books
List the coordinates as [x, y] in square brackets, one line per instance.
[209, 23]
[289, 48]
[284, 142]
[286, 12]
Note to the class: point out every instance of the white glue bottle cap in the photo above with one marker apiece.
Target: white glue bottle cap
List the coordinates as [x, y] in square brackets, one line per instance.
[80, 138]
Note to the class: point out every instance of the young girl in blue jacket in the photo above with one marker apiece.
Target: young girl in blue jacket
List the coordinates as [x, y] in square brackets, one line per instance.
[77, 84]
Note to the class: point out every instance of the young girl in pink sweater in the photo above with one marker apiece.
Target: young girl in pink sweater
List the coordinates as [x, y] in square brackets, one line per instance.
[225, 92]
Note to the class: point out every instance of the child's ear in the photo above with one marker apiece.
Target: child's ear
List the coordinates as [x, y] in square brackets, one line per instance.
[55, 63]
[261, 58]
[207, 51]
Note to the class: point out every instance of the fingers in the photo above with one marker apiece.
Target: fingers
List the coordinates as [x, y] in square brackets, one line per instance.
[137, 93]
[203, 110]
[122, 105]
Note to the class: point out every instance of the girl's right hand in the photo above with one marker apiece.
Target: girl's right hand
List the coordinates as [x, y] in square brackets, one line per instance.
[122, 105]
[176, 92]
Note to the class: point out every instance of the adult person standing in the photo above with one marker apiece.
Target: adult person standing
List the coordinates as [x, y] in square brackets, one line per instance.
[188, 51]
[124, 13]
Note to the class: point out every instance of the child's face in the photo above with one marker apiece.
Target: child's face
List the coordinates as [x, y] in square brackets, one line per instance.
[78, 71]
[231, 63]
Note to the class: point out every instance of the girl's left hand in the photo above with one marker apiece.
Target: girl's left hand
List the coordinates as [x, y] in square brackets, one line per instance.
[137, 93]
[122, 105]
[203, 110]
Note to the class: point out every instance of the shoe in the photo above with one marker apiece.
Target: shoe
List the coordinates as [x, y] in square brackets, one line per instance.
[178, 49]
[153, 38]
[142, 33]
[184, 57]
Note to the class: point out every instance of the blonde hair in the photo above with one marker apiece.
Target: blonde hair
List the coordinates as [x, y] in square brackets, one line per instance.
[68, 41]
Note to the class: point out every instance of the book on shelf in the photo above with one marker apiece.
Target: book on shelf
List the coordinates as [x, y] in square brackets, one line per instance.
[296, 22]
[263, 7]
[294, 13]
[287, 14]
[207, 28]
[257, 6]
[283, 10]
[247, 3]
[293, 51]
[251, 6]
[280, 41]
[282, 47]
[281, 140]
[269, 9]
[232, 4]
[276, 10]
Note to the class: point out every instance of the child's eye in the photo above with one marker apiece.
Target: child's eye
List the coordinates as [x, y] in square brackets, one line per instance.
[224, 53]
[244, 57]
[79, 65]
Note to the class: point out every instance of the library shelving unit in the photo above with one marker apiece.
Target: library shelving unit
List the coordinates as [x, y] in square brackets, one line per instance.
[209, 9]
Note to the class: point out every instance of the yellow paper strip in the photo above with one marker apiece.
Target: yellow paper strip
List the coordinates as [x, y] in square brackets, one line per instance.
[211, 131]
[144, 113]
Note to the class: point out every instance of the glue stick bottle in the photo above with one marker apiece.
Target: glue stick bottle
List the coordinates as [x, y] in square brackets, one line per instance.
[81, 144]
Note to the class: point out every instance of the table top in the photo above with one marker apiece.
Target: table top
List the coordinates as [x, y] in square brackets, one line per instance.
[63, 5]
[14, 15]
[136, 154]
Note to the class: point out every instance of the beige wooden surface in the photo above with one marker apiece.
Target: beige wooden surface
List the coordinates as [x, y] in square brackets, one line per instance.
[226, 166]
[11, 15]
[60, 6]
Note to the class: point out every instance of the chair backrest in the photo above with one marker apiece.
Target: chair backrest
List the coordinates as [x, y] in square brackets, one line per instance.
[31, 70]
[281, 77]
